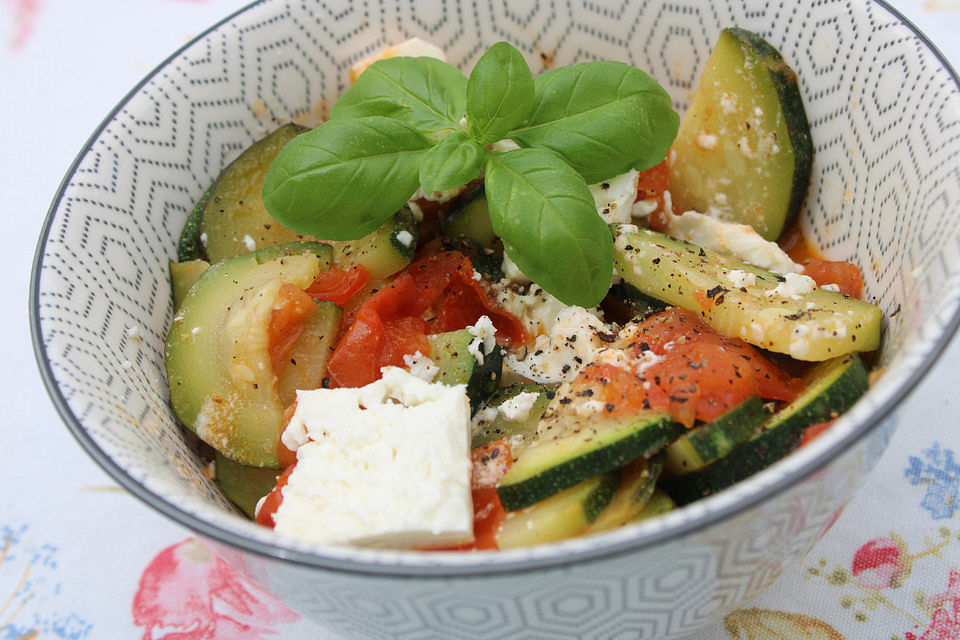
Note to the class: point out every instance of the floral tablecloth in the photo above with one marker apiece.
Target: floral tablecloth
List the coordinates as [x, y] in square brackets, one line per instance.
[79, 558]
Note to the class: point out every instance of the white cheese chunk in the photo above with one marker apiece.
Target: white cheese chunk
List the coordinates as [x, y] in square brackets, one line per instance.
[413, 47]
[421, 366]
[737, 240]
[740, 278]
[518, 407]
[484, 338]
[614, 197]
[512, 273]
[831, 287]
[574, 341]
[794, 286]
[385, 465]
[405, 238]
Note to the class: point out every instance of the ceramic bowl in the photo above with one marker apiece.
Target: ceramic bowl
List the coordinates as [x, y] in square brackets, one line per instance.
[885, 114]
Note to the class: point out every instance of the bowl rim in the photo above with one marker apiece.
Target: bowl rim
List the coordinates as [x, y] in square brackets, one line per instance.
[277, 551]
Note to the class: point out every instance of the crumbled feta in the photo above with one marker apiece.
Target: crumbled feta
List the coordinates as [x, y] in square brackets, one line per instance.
[405, 238]
[195, 331]
[421, 366]
[740, 278]
[484, 338]
[831, 287]
[794, 286]
[249, 243]
[203, 239]
[446, 195]
[643, 208]
[504, 145]
[386, 465]
[706, 141]
[614, 197]
[738, 240]
[484, 417]
[413, 47]
[574, 341]
[537, 309]
[518, 407]
[512, 273]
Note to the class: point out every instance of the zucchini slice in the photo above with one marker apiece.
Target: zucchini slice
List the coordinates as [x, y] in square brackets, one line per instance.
[518, 431]
[564, 515]
[659, 504]
[307, 363]
[571, 449]
[637, 484]
[183, 275]
[717, 438]
[234, 218]
[813, 326]
[450, 352]
[832, 388]
[189, 247]
[243, 485]
[386, 250]
[640, 304]
[222, 384]
[470, 218]
[744, 148]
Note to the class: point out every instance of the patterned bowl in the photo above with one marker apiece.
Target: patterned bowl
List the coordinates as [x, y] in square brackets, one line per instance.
[885, 112]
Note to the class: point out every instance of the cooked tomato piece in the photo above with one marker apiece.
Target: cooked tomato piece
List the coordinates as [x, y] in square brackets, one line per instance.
[286, 456]
[390, 323]
[695, 373]
[651, 186]
[291, 308]
[844, 274]
[814, 431]
[272, 502]
[338, 285]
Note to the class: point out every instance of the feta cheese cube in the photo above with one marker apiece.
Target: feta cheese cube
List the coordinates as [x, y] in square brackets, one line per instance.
[384, 465]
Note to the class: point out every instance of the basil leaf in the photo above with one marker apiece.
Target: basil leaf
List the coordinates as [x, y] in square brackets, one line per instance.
[500, 93]
[426, 93]
[602, 118]
[341, 180]
[454, 161]
[544, 213]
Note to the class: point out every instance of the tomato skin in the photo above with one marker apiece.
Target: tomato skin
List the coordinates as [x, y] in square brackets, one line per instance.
[272, 502]
[338, 285]
[845, 274]
[291, 308]
[651, 185]
[814, 431]
[389, 324]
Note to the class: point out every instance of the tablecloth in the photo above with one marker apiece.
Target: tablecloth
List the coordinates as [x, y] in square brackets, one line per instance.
[81, 559]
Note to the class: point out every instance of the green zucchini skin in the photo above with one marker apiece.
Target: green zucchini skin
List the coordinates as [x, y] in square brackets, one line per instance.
[833, 387]
[639, 303]
[579, 451]
[501, 427]
[243, 485]
[564, 515]
[189, 246]
[717, 438]
[450, 353]
[470, 218]
[659, 504]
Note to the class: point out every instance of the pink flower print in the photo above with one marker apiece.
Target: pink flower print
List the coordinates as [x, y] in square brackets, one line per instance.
[25, 14]
[188, 593]
[878, 564]
[945, 621]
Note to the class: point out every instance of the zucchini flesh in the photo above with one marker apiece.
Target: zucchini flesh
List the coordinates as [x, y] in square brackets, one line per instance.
[386, 250]
[307, 363]
[572, 449]
[222, 385]
[470, 218]
[637, 483]
[744, 148]
[243, 485]
[517, 431]
[564, 515]
[659, 504]
[816, 326]
[717, 438]
[832, 388]
[451, 354]
[235, 220]
[183, 275]
[189, 247]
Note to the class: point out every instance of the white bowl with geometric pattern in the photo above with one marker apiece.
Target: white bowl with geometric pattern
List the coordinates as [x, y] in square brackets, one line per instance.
[885, 114]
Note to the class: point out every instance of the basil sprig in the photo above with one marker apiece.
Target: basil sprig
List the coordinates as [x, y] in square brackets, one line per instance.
[401, 125]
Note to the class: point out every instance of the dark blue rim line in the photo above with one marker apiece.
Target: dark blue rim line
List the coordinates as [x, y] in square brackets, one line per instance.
[278, 552]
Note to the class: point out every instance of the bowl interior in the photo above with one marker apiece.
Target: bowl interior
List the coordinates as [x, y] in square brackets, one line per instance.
[884, 110]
